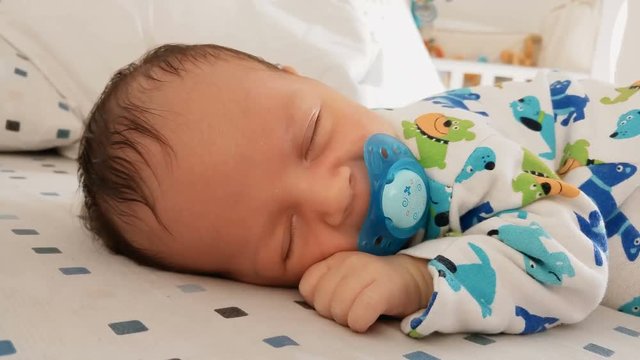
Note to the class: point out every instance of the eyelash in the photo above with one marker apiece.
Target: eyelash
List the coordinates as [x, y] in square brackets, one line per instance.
[291, 236]
[314, 132]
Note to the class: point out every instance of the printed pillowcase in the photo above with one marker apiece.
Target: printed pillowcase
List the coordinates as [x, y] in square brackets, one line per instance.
[33, 114]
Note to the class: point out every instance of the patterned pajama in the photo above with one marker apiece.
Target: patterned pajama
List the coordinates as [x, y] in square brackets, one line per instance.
[534, 203]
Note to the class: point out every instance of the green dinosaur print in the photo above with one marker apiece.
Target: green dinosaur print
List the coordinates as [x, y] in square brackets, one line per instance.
[534, 165]
[624, 94]
[576, 155]
[537, 180]
[433, 133]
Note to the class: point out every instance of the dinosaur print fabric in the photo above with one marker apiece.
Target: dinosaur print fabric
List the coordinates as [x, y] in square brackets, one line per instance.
[534, 203]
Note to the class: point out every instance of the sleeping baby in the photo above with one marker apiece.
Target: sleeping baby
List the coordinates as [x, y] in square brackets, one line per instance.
[498, 209]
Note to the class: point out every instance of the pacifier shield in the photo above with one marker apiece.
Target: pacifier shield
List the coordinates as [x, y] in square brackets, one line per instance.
[397, 207]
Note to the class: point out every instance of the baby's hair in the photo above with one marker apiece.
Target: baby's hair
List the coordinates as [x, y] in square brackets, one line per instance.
[112, 142]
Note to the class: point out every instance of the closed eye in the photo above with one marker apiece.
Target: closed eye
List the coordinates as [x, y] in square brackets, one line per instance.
[310, 134]
[290, 238]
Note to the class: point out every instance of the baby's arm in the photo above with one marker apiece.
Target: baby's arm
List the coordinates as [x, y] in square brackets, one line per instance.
[354, 288]
[527, 265]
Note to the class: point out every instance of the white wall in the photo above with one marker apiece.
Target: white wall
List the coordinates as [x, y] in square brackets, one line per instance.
[520, 16]
[628, 69]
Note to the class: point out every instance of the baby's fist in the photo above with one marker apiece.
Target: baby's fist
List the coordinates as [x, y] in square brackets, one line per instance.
[354, 288]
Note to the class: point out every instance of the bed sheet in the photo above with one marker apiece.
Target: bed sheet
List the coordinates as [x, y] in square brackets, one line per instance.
[62, 296]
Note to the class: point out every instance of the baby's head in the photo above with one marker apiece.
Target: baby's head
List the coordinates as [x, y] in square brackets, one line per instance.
[204, 159]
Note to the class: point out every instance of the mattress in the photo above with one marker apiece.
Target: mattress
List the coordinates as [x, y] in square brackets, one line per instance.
[62, 296]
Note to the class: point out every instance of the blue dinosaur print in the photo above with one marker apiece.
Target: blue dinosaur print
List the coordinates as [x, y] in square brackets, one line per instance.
[628, 125]
[482, 158]
[475, 215]
[528, 112]
[631, 307]
[520, 214]
[542, 265]
[454, 99]
[619, 224]
[594, 230]
[534, 323]
[415, 322]
[438, 209]
[598, 187]
[567, 105]
[478, 279]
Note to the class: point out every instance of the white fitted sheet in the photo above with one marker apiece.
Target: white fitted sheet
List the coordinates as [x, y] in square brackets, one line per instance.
[45, 314]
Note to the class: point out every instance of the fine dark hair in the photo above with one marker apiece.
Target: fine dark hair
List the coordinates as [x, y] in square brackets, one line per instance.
[111, 150]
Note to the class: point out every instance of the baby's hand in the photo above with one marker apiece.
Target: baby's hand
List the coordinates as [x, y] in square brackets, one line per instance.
[354, 288]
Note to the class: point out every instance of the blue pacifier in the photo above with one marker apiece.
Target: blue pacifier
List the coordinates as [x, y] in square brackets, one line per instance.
[397, 207]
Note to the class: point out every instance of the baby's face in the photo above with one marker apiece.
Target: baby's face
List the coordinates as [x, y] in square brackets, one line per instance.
[268, 175]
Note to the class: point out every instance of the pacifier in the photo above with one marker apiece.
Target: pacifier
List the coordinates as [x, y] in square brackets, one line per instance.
[398, 202]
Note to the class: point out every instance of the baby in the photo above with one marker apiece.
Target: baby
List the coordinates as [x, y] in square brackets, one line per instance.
[204, 159]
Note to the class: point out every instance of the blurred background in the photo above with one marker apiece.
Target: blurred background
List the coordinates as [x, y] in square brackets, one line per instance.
[382, 53]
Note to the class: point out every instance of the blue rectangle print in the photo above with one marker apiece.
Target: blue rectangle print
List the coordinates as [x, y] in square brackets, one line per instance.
[75, 271]
[280, 341]
[25, 231]
[597, 349]
[20, 72]
[7, 348]
[128, 327]
[63, 134]
[63, 105]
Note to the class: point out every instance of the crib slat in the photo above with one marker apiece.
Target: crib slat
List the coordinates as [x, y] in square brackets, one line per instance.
[456, 79]
[487, 79]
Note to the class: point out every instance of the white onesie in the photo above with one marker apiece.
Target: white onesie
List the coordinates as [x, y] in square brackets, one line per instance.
[534, 201]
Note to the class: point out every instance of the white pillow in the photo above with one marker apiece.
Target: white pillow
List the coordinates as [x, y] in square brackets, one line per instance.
[368, 50]
[354, 45]
[33, 114]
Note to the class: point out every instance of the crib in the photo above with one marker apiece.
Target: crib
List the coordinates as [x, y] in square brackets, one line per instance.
[453, 73]
[465, 31]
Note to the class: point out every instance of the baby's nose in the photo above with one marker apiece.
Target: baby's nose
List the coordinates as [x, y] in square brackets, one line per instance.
[331, 196]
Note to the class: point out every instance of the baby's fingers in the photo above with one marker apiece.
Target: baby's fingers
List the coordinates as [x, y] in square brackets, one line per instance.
[310, 280]
[367, 307]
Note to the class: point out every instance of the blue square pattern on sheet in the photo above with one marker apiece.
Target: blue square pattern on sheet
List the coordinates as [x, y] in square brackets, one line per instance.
[128, 327]
[12, 125]
[191, 288]
[63, 134]
[7, 348]
[25, 231]
[600, 350]
[49, 193]
[74, 270]
[20, 72]
[627, 331]
[231, 312]
[479, 339]
[63, 105]
[280, 341]
[46, 250]
[419, 355]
